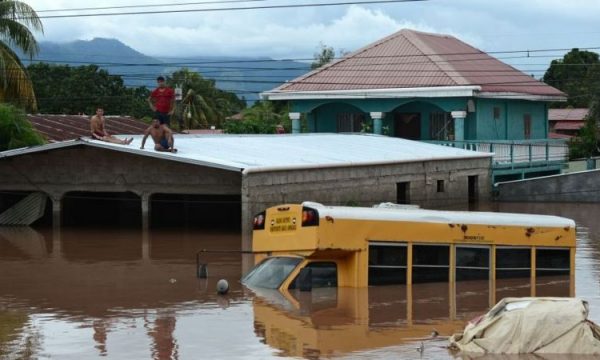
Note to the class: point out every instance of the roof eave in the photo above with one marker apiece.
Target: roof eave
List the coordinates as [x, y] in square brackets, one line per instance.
[98, 144]
[520, 96]
[394, 93]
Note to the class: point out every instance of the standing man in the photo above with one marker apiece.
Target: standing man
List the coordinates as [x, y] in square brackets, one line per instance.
[162, 136]
[99, 133]
[162, 101]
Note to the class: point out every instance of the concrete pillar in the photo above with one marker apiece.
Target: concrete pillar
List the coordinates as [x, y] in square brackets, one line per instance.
[56, 226]
[377, 122]
[459, 124]
[56, 211]
[295, 117]
[145, 244]
[145, 210]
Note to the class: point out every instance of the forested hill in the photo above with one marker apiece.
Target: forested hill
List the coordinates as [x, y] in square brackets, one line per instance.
[243, 75]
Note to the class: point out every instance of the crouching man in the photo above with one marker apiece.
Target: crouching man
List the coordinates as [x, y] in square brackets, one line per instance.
[162, 136]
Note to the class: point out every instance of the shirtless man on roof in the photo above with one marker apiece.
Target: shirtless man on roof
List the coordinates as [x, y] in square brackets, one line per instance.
[99, 133]
[162, 136]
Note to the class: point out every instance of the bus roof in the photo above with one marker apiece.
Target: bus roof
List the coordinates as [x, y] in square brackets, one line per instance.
[438, 216]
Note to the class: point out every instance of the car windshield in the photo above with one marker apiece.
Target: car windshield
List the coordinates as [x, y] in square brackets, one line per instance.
[271, 272]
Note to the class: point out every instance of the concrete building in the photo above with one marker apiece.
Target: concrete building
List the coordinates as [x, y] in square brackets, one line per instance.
[435, 88]
[223, 180]
[566, 123]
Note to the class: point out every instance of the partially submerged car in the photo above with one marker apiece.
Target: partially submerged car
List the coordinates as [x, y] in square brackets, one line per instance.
[531, 326]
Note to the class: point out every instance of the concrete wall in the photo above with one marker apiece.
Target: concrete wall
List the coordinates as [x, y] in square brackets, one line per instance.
[510, 124]
[363, 186]
[85, 168]
[573, 187]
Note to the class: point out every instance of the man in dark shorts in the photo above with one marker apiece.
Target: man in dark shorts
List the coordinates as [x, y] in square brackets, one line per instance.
[162, 136]
[162, 101]
[99, 132]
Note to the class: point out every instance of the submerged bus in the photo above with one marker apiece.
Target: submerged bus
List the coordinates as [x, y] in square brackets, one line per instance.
[310, 245]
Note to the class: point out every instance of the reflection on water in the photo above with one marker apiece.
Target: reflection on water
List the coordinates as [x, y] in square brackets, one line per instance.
[78, 294]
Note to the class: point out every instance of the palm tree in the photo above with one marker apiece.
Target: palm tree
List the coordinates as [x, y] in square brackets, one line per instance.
[16, 18]
[196, 111]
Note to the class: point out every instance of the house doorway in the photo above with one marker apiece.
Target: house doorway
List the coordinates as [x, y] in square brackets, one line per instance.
[407, 125]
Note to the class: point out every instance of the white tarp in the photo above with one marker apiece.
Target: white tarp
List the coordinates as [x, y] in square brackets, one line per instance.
[532, 326]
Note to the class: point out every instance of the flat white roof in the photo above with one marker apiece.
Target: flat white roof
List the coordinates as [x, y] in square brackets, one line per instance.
[254, 153]
[439, 216]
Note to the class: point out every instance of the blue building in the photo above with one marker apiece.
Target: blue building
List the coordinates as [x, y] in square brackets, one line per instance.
[435, 88]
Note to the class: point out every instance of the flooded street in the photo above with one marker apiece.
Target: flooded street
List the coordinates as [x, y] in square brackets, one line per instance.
[88, 293]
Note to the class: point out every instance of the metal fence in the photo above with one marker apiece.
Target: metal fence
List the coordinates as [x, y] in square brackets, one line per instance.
[517, 152]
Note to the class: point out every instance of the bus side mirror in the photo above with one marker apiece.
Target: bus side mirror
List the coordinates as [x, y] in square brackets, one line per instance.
[305, 279]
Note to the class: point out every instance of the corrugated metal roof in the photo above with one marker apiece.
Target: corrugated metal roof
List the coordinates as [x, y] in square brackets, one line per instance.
[578, 114]
[280, 152]
[67, 127]
[412, 59]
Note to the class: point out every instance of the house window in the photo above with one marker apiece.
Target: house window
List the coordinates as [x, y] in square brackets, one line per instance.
[440, 186]
[403, 193]
[527, 126]
[496, 113]
[441, 126]
[350, 122]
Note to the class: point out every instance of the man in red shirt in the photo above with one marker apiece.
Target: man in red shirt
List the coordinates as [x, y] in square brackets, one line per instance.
[162, 101]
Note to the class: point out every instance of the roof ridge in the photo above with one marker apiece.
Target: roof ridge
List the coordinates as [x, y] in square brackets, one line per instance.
[348, 56]
[434, 58]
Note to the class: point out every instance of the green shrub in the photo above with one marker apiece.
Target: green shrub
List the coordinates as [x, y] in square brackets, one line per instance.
[15, 130]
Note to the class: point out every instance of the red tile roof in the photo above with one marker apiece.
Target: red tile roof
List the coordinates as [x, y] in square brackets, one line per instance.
[412, 59]
[568, 125]
[567, 114]
[67, 127]
[558, 136]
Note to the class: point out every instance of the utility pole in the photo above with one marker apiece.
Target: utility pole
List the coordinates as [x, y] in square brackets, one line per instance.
[177, 112]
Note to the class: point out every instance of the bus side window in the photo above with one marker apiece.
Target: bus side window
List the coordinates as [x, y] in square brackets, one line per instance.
[324, 274]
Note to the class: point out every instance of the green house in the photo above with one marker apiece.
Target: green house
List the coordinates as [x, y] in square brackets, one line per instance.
[435, 88]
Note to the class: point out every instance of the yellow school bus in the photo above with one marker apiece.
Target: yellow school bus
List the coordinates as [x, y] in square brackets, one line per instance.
[302, 246]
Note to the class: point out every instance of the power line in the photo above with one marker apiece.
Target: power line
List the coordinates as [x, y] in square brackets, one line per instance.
[149, 5]
[484, 57]
[241, 8]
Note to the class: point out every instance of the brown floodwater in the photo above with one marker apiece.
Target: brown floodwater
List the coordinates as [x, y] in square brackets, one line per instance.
[128, 294]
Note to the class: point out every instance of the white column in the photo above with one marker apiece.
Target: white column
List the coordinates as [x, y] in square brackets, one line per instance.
[459, 124]
[295, 117]
[377, 122]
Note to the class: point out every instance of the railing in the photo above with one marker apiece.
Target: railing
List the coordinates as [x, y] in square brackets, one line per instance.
[516, 153]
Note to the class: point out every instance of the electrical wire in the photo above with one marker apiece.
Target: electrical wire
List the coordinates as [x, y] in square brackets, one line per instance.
[239, 8]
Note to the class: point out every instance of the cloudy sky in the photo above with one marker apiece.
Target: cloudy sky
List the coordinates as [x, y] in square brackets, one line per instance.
[491, 25]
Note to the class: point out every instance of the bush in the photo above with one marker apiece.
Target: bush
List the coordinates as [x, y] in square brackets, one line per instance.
[15, 130]
[586, 144]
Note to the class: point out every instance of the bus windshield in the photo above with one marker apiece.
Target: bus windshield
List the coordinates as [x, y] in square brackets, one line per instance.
[271, 272]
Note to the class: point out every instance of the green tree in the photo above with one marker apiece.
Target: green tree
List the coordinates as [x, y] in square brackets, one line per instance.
[324, 55]
[578, 75]
[62, 89]
[587, 143]
[261, 118]
[15, 130]
[203, 105]
[15, 19]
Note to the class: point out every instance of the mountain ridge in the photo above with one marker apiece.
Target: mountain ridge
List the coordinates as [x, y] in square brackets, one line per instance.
[245, 76]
